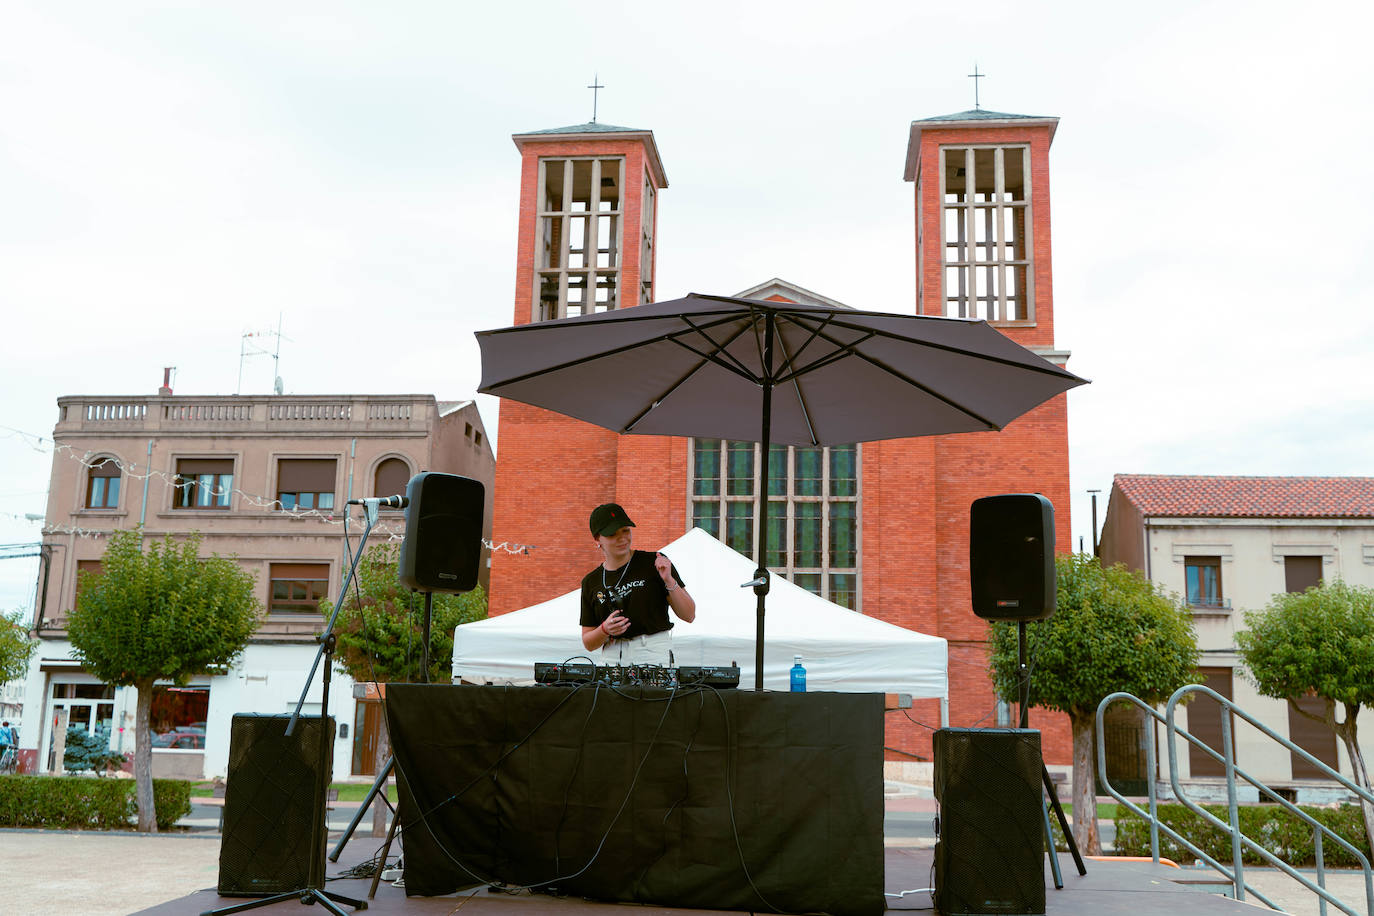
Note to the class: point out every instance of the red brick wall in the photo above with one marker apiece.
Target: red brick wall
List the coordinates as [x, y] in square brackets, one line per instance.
[631, 201]
[928, 169]
[553, 470]
[916, 493]
[1029, 456]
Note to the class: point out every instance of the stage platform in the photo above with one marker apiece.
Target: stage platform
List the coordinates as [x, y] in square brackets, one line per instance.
[1109, 888]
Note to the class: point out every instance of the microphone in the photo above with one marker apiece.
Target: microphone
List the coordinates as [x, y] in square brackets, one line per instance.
[389, 502]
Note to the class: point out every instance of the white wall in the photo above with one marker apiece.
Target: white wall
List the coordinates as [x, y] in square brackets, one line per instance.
[1252, 555]
[268, 679]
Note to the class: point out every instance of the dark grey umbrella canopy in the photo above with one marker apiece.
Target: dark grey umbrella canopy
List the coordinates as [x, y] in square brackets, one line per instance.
[769, 372]
[695, 367]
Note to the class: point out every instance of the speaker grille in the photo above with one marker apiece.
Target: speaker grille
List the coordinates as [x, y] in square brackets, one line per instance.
[989, 857]
[271, 800]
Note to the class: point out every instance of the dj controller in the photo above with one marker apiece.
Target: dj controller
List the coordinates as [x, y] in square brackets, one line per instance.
[637, 675]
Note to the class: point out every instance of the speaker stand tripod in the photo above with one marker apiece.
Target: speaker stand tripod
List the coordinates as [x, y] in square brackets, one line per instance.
[379, 784]
[1024, 673]
[328, 640]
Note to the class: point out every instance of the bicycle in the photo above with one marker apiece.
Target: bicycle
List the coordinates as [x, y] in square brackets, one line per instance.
[9, 762]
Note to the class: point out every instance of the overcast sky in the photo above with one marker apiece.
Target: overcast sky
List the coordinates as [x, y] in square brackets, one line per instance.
[171, 178]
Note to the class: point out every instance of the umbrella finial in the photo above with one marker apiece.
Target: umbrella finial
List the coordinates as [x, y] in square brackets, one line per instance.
[596, 86]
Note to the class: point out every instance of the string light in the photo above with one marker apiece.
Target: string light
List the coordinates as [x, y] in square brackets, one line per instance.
[88, 460]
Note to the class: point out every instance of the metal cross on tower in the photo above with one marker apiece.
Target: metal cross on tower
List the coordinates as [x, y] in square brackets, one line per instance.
[975, 76]
[596, 86]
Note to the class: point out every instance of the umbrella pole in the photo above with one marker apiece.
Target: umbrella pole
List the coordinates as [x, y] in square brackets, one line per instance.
[761, 573]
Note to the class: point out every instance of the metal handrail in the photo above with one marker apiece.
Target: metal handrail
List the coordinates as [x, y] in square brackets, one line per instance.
[1236, 873]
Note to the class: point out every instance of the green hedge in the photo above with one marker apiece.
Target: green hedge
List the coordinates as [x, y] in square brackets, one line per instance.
[83, 803]
[1275, 828]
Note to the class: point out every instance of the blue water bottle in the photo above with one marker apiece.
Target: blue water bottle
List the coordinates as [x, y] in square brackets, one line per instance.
[798, 675]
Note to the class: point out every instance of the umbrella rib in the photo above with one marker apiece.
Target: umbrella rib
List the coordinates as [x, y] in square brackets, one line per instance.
[1044, 366]
[705, 358]
[844, 351]
[604, 354]
[901, 375]
[787, 359]
[720, 356]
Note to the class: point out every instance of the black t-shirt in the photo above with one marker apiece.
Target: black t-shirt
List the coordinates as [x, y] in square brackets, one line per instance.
[635, 589]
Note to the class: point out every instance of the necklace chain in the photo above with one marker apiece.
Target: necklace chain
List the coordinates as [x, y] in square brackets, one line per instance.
[622, 573]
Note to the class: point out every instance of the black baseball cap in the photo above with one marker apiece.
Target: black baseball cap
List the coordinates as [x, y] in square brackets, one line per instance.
[608, 518]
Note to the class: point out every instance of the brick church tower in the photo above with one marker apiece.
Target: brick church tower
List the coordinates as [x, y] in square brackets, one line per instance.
[982, 251]
[588, 213]
[881, 527]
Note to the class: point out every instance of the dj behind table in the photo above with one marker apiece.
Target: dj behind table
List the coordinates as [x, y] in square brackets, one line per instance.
[685, 795]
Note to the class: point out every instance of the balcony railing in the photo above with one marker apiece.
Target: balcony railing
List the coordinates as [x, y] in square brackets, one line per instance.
[1209, 603]
[231, 414]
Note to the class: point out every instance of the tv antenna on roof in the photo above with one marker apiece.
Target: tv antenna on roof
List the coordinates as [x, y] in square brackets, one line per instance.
[249, 346]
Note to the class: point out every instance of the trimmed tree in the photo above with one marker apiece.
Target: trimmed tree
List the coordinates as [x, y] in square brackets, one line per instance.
[380, 630]
[159, 612]
[1320, 642]
[1112, 630]
[16, 648]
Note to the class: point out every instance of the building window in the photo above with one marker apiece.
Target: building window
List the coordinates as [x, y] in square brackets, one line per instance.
[578, 258]
[203, 483]
[90, 708]
[646, 243]
[86, 572]
[1312, 735]
[1301, 573]
[306, 483]
[178, 717]
[986, 233]
[296, 588]
[102, 484]
[1204, 723]
[1203, 575]
[392, 477]
[813, 510]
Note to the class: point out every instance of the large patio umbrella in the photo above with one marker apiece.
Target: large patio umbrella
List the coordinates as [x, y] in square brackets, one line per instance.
[769, 372]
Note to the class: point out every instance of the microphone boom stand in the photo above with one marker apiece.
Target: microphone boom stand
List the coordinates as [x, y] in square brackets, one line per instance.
[379, 784]
[310, 893]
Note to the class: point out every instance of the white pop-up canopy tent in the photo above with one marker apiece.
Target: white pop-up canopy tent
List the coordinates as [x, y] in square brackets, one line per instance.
[841, 650]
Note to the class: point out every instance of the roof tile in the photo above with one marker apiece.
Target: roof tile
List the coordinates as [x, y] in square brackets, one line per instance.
[1248, 497]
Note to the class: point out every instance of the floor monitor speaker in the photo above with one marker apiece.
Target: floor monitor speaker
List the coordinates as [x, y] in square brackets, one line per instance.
[1011, 556]
[990, 849]
[272, 798]
[442, 550]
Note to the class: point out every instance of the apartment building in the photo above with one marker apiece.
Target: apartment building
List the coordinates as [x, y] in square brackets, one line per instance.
[265, 479]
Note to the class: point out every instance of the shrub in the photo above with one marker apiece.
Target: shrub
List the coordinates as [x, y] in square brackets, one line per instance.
[1275, 828]
[86, 803]
[90, 750]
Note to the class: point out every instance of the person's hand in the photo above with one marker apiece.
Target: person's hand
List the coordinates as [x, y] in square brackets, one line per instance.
[664, 567]
[615, 625]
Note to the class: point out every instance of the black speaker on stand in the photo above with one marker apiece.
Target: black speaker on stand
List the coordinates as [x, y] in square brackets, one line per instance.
[295, 732]
[1011, 577]
[442, 552]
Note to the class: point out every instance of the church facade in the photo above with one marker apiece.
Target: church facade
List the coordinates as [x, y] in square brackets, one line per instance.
[880, 528]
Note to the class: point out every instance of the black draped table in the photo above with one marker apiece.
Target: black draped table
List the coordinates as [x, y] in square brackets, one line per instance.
[693, 797]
